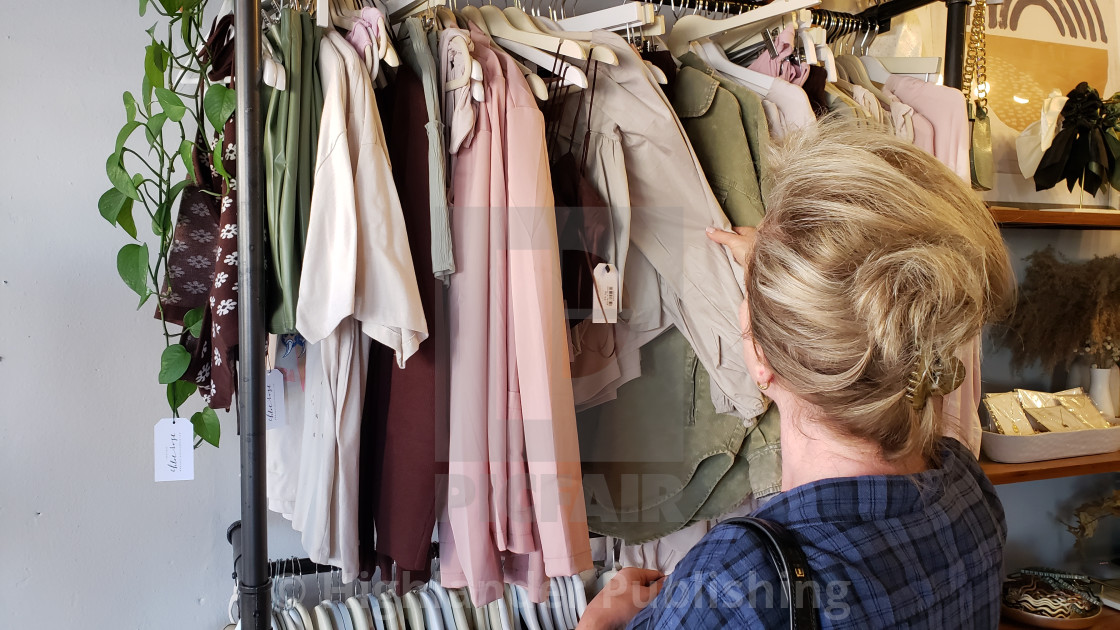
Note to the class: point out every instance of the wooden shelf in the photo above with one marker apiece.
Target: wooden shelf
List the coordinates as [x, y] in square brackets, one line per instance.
[1050, 469]
[1109, 620]
[1024, 218]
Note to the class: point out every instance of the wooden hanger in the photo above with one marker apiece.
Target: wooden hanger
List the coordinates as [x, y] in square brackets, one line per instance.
[569, 73]
[714, 55]
[523, 21]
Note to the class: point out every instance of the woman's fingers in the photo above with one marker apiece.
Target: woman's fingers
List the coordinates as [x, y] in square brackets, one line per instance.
[740, 242]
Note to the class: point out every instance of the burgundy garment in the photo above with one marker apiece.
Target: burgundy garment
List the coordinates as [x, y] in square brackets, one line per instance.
[214, 353]
[398, 472]
[814, 89]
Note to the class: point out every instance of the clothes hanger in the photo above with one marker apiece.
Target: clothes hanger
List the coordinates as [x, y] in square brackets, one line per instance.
[481, 619]
[444, 601]
[500, 28]
[472, 77]
[523, 21]
[526, 609]
[509, 602]
[693, 27]
[616, 18]
[433, 615]
[498, 612]
[375, 610]
[459, 610]
[359, 614]
[580, 592]
[717, 59]
[301, 610]
[413, 611]
[571, 74]
[391, 611]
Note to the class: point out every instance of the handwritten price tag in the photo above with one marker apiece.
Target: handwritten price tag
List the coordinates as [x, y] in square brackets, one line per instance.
[275, 410]
[174, 450]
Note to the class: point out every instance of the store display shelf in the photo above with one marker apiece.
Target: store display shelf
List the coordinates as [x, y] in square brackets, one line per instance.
[1109, 620]
[1050, 469]
[1082, 220]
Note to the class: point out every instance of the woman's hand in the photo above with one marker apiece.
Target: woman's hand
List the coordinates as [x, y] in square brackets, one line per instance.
[740, 242]
[627, 593]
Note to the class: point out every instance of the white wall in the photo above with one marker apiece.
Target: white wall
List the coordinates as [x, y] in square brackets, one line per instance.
[87, 539]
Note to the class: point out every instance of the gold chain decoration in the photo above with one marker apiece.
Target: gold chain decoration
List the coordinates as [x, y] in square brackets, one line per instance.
[975, 63]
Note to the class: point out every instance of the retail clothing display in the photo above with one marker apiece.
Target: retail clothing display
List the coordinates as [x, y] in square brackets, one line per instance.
[876, 534]
[496, 305]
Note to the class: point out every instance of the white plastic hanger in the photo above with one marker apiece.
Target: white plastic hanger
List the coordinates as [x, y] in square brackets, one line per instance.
[882, 68]
[571, 74]
[526, 609]
[391, 611]
[631, 15]
[693, 27]
[359, 614]
[375, 611]
[525, 22]
[500, 28]
[715, 57]
[433, 613]
[580, 592]
[443, 601]
[413, 610]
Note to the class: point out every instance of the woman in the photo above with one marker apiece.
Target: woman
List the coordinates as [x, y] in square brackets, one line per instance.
[874, 265]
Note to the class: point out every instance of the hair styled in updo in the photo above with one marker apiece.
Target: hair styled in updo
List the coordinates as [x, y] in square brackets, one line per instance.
[873, 257]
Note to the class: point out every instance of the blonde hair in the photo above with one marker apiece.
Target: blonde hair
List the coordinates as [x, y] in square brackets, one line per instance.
[873, 257]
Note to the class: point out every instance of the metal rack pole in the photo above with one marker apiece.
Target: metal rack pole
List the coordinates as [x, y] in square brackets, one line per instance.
[253, 579]
[954, 42]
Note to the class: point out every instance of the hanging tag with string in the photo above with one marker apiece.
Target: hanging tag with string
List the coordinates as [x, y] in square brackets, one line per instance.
[275, 408]
[174, 450]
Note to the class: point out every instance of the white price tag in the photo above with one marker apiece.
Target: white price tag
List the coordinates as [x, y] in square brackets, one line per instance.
[174, 450]
[604, 309]
[275, 412]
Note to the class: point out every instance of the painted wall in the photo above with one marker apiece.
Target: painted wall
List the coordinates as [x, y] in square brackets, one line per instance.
[86, 537]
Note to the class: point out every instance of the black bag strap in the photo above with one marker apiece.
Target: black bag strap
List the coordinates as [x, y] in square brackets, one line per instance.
[793, 570]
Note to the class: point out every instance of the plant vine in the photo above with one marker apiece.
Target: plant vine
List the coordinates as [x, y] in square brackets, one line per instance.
[176, 102]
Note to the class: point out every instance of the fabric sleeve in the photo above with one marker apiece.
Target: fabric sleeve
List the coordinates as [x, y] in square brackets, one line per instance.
[326, 292]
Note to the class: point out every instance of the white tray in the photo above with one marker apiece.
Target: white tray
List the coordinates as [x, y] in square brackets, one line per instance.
[1020, 449]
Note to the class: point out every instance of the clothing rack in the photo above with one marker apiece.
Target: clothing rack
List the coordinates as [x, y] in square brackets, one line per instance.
[254, 570]
[253, 575]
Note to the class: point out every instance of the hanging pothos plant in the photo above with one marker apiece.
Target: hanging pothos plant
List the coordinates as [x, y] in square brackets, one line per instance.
[176, 102]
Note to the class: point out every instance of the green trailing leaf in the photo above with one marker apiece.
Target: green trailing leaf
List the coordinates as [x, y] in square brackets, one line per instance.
[132, 265]
[161, 221]
[217, 159]
[146, 92]
[173, 363]
[154, 128]
[178, 393]
[143, 7]
[125, 132]
[219, 104]
[119, 177]
[129, 106]
[111, 203]
[206, 425]
[171, 6]
[128, 224]
[116, 208]
[185, 154]
[153, 72]
[171, 103]
[176, 189]
[192, 321]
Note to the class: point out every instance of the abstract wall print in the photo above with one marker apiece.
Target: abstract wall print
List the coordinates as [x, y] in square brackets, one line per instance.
[1035, 46]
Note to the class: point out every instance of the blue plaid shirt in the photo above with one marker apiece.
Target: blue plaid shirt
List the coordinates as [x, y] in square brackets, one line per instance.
[917, 551]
